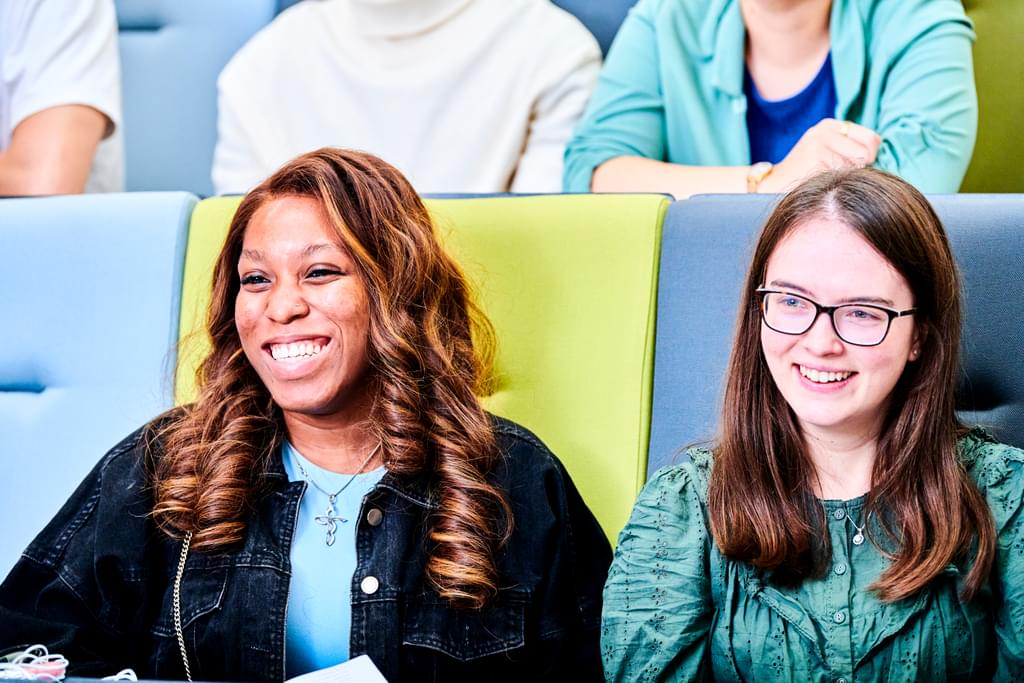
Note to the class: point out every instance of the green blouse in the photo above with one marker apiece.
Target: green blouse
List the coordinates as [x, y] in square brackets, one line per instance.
[676, 609]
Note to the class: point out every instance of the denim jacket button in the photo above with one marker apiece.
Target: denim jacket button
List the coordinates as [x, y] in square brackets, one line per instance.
[374, 517]
[369, 585]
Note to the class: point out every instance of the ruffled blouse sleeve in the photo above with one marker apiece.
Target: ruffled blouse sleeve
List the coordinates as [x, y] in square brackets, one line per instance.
[658, 608]
[999, 471]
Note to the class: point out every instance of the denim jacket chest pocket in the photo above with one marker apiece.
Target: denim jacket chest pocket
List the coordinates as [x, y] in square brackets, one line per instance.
[202, 596]
[202, 592]
[467, 635]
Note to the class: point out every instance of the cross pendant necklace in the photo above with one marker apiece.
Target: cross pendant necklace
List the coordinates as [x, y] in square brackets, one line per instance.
[330, 518]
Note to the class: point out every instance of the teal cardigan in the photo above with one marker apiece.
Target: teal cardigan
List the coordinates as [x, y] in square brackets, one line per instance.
[672, 88]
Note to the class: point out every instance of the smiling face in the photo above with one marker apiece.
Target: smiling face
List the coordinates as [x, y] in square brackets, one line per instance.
[302, 313]
[833, 387]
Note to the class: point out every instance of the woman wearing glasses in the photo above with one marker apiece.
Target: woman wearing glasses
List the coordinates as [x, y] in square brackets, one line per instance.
[845, 526]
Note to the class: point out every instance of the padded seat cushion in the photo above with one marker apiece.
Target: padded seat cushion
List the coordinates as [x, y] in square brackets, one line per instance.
[568, 282]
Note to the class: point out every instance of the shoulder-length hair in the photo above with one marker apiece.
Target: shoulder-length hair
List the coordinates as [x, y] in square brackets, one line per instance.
[929, 511]
[425, 367]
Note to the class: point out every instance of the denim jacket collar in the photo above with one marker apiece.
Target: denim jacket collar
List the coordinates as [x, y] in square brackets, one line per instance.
[413, 489]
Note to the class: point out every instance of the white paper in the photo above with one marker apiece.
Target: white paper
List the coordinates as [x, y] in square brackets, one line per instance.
[358, 670]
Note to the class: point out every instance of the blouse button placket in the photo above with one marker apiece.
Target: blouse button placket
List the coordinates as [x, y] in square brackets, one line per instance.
[840, 586]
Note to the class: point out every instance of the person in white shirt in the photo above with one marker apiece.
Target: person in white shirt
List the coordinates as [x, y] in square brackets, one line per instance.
[460, 95]
[60, 97]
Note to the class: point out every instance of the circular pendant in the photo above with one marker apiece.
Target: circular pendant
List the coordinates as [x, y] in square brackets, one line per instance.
[858, 538]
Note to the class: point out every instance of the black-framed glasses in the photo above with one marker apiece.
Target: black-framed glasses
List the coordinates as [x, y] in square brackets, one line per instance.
[857, 324]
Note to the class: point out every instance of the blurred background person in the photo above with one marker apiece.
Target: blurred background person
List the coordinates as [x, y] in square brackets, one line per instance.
[755, 95]
[460, 95]
[60, 98]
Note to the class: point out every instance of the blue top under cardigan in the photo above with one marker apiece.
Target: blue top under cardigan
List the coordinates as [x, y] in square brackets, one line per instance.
[672, 88]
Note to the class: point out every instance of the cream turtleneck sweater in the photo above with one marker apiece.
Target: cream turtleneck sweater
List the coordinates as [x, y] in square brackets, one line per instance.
[401, 18]
[461, 95]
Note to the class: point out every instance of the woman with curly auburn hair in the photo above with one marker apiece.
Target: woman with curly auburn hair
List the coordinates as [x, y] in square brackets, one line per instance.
[845, 526]
[336, 489]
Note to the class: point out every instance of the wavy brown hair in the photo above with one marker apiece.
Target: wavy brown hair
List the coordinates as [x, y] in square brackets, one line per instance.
[929, 511]
[426, 370]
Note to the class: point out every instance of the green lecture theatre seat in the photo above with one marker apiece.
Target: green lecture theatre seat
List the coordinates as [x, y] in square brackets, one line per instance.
[569, 283]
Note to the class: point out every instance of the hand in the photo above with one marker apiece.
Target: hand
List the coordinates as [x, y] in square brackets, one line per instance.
[826, 145]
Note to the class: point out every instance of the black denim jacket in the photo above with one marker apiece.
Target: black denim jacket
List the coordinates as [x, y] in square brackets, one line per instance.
[96, 584]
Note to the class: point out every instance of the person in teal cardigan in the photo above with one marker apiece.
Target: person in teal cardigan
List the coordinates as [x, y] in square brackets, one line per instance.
[754, 95]
[845, 525]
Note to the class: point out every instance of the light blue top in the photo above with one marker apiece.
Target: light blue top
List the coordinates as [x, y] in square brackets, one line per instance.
[319, 595]
[672, 88]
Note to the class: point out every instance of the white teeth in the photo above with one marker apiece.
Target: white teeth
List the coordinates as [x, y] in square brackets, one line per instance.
[823, 377]
[294, 350]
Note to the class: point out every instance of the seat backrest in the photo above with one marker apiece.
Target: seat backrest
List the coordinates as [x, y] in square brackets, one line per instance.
[986, 234]
[706, 246]
[90, 320]
[171, 54]
[998, 72]
[601, 18]
[568, 282]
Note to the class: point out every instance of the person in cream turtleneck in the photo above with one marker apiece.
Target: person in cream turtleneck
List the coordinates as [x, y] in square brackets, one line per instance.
[460, 95]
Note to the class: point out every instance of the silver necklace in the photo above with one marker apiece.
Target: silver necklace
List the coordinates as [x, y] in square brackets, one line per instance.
[858, 538]
[330, 519]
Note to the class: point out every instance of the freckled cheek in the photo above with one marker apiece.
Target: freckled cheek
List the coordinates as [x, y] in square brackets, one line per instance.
[245, 324]
[348, 311]
[342, 304]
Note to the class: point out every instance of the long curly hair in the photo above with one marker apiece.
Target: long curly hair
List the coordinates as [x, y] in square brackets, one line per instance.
[430, 349]
[929, 510]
